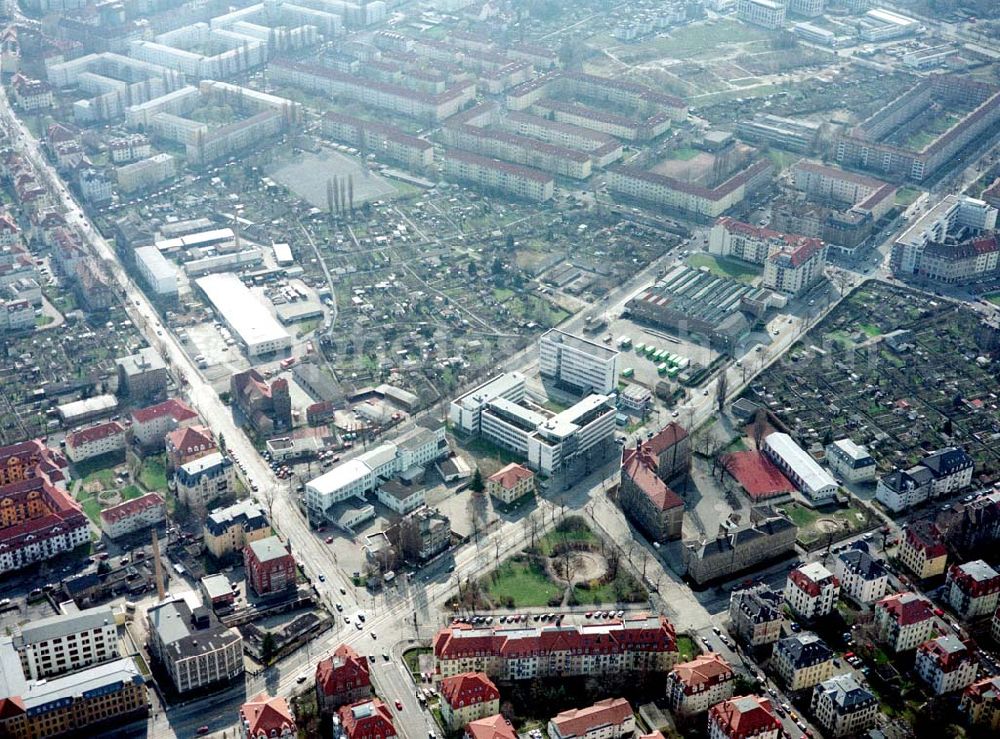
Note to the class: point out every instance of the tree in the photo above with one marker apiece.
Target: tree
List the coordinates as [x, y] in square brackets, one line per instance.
[406, 538]
[477, 485]
[758, 428]
[222, 443]
[472, 269]
[721, 388]
[269, 493]
[267, 647]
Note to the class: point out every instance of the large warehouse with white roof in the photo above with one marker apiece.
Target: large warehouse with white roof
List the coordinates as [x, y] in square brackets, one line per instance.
[246, 316]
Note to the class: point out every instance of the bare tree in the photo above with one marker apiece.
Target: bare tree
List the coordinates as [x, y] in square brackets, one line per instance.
[269, 493]
[721, 389]
[758, 428]
[405, 537]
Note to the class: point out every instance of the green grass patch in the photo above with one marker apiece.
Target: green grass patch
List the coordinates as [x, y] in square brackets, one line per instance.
[782, 159]
[502, 294]
[153, 474]
[724, 267]
[687, 648]
[737, 445]
[683, 154]
[307, 327]
[871, 329]
[98, 469]
[92, 508]
[815, 526]
[906, 195]
[131, 491]
[994, 298]
[522, 581]
[412, 658]
[569, 529]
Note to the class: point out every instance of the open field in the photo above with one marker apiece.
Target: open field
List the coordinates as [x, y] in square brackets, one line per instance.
[307, 174]
[725, 267]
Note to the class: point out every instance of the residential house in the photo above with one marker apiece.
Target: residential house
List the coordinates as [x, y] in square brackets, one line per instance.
[228, 530]
[188, 443]
[672, 448]
[645, 497]
[467, 697]
[811, 591]
[367, 719]
[142, 376]
[607, 719]
[850, 462]
[981, 704]
[842, 707]
[952, 468]
[150, 425]
[104, 438]
[266, 406]
[903, 621]
[694, 687]
[862, 577]
[491, 727]
[942, 472]
[802, 660]
[55, 645]
[945, 664]
[744, 717]
[270, 567]
[264, 717]
[422, 534]
[922, 550]
[342, 679]
[205, 480]
[755, 615]
[973, 589]
[133, 515]
[510, 483]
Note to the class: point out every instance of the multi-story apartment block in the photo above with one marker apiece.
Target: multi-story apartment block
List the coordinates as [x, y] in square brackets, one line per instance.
[945, 664]
[842, 707]
[737, 548]
[995, 626]
[808, 8]
[37, 521]
[267, 406]
[367, 719]
[635, 644]
[692, 200]
[30, 94]
[228, 530]
[150, 425]
[342, 679]
[133, 515]
[146, 172]
[671, 446]
[611, 718]
[494, 174]
[67, 642]
[129, 148]
[922, 550]
[104, 438]
[194, 649]
[757, 245]
[188, 443]
[755, 615]
[850, 462]
[646, 499]
[510, 483]
[380, 139]
[266, 717]
[862, 577]
[802, 660]
[89, 702]
[766, 13]
[903, 489]
[580, 364]
[520, 150]
[981, 704]
[811, 591]
[903, 621]
[973, 589]
[952, 468]
[29, 459]
[744, 717]
[694, 687]
[143, 377]
[467, 697]
[270, 567]
[205, 480]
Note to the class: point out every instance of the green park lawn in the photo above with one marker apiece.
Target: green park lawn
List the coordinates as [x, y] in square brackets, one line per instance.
[723, 267]
[523, 581]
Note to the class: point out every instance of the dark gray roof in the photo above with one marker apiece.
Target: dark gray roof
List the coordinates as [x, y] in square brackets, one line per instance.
[863, 564]
[847, 695]
[46, 629]
[804, 650]
[947, 461]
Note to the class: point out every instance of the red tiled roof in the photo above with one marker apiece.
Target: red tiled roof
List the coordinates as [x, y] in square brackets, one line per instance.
[947, 660]
[640, 466]
[643, 633]
[177, 409]
[345, 667]
[467, 689]
[191, 439]
[367, 719]
[758, 475]
[94, 433]
[11, 707]
[666, 438]
[131, 507]
[704, 670]
[580, 721]
[64, 512]
[807, 584]
[510, 475]
[744, 716]
[906, 608]
[264, 716]
[491, 727]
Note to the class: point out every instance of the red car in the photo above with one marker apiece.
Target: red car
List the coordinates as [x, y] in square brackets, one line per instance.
[329, 540]
[399, 705]
[202, 730]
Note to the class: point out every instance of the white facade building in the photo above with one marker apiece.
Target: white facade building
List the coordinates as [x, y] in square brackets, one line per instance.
[59, 644]
[158, 272]
[766, 13]
[582, 364]
[811, 591]
[815, 482]
[850, 461]
[842, 707]
[861, 576]
[247, 317]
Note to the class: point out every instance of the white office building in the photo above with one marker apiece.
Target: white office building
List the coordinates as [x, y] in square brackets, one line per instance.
[816, 483]
[465, 411]
[850, 461]
[158, 272]
[584, 365]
